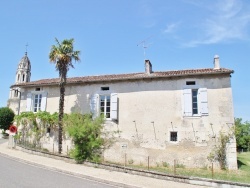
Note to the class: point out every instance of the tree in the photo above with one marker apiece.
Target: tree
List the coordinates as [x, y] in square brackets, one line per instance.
[6, 117]
[242, 134]
[62, 54]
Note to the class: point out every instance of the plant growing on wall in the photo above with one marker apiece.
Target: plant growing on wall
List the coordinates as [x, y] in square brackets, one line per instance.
[6, 117]
[35, 125]
[219, 152]
[86, 135]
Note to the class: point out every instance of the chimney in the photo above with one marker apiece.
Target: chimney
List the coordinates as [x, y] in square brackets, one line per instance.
[216, 62]
[148, 67]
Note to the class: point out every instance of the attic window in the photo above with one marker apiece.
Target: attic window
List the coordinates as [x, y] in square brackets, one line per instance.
[190, 83]
[104, 88]
[37, 89]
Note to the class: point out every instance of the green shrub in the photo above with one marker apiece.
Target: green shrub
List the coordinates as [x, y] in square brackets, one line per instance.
[165, 164]
[180, 166]
[86, 135]
[6, 117]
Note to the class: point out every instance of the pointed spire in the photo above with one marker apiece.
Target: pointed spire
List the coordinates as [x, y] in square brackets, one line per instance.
[23, 72]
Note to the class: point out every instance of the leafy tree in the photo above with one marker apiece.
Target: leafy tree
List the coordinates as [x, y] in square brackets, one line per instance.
[86, 135]
[62, 55]
[242, 133]
[6, 117]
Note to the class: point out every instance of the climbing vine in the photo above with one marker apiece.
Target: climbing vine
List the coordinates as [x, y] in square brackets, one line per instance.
[219, 152]
[34, 125]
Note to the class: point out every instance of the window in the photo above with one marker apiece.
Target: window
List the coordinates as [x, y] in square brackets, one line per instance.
[190, 82]
[173, 136]
[16, 93]
[36, 101]
[37, 89]
[105, 105]
[104, 88]
[195, 102]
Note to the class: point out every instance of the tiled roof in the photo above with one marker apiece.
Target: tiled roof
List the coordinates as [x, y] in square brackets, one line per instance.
[131, 76]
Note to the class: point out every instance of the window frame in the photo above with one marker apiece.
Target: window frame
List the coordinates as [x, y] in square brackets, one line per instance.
[42, 101]
[36, 102]
[106, 98]
[188, 103]
[176, 137]
[195, 102]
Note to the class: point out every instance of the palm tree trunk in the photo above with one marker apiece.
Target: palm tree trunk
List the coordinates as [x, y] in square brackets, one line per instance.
[61, 112]
[63, 76]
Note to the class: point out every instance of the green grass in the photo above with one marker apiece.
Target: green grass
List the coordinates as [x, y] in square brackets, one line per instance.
[241, 175]
[244, 162]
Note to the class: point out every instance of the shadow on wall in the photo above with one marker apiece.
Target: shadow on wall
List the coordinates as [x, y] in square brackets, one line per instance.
[77, 105]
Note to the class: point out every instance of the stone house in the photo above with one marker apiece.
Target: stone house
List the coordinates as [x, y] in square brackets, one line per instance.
[166, 115]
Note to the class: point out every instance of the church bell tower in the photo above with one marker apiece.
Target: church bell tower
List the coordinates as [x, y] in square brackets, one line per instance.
[23, 72]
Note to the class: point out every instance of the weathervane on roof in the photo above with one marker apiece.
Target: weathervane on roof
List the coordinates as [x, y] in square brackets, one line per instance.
[26, 48]
[144, 46]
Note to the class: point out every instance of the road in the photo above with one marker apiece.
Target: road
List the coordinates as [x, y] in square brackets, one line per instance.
[15, 174]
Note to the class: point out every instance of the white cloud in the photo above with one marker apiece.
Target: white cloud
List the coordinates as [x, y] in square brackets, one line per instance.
[171, 28]
[228, 22]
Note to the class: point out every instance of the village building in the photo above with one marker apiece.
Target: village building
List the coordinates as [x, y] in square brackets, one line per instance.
[161, 115]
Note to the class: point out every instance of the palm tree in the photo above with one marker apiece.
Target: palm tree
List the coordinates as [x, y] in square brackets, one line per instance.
[62, 55]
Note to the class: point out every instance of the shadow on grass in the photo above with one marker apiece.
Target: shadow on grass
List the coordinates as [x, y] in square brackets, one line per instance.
[240, 164]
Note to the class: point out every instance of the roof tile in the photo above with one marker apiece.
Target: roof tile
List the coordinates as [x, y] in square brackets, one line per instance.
[131, 76]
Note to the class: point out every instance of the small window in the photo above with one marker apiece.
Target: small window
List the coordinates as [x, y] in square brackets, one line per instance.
[173, 136]
[104, 88]
[15, 93]
[190, 83]
[37, 89]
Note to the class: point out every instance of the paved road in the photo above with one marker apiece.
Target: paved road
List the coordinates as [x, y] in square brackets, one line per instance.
[107, 177]
[14, 174]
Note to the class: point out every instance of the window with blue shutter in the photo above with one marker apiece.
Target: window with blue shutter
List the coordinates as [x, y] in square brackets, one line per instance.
[94, 105]
[36, 101]
[114, 106]
[187, 96]
[203, 104]
[195, 102]
[28, 102]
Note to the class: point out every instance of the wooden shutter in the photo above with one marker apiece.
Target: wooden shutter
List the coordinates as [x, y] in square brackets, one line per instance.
[28, 102]
[44, 101]
[187, 106]
[202, 98]
[114, 105]
[94, 105]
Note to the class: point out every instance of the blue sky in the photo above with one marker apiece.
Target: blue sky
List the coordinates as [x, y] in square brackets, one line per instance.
[180, 34]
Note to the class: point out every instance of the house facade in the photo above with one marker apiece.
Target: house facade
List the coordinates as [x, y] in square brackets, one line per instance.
[164, 116]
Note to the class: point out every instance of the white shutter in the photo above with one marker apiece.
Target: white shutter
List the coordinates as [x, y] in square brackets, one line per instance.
[94, 101]
[187, 97]
[28, 102]
[44, 101]
[114, 104]
[202, 98]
